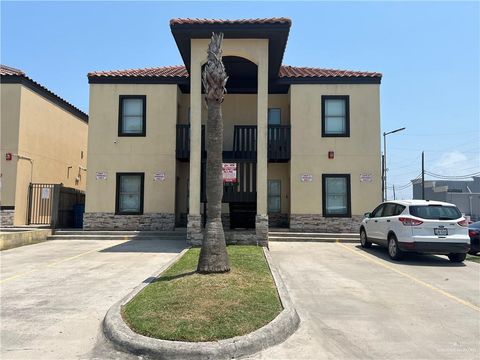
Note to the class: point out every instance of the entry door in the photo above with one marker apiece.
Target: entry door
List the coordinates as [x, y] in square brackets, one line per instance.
[242, 215]
[373, 226]
[384, 221]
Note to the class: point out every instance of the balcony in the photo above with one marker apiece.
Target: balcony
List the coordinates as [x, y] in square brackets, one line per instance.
[244, 147]
[183, 142]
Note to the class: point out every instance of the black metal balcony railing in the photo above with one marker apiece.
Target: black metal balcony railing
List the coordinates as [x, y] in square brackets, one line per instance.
[279, 143]
[243, 190]
[183, 142]
[244, 143]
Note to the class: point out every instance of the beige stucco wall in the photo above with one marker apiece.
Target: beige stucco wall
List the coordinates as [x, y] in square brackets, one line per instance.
[9, 122]
[237, 109]
[281, 172]
[355, 155]
[150, 154]
[54, 139]
[255, 50]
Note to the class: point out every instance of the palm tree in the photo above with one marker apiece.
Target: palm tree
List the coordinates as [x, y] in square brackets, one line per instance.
[213, 255]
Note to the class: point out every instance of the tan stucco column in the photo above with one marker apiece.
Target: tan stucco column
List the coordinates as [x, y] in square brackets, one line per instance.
[194, 216]
[261, 223]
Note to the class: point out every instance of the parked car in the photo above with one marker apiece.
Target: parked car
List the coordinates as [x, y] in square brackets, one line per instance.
[474, 233]
[421, 226]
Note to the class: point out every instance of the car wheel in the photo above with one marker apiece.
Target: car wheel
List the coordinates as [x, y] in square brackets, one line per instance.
[364, 240]
[393, 250]
[457, 258]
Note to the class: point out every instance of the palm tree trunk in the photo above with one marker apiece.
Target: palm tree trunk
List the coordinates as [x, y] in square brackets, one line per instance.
[213, 255]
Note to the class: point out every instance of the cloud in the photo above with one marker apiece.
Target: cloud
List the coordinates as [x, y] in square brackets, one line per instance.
[451, 163]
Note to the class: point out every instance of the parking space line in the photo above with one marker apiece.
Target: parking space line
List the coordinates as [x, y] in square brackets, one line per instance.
[413, 278]
[53, 264]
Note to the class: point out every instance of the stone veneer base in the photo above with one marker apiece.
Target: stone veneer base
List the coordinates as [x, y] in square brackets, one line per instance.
[144, 222]
[261, 229]
[194, 230]
[316, 222]
[6, 217]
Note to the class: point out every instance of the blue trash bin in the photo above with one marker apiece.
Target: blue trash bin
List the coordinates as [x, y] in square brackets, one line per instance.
[78, 211]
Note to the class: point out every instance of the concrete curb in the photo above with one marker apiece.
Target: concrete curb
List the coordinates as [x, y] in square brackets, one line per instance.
[275, 332]
[14, 239]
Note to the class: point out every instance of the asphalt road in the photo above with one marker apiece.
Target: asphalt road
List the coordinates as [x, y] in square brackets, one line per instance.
[354, 304]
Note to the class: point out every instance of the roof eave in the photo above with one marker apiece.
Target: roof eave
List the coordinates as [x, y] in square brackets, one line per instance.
[174, 80]
[330, 80]
[43, 91]
[276, 33]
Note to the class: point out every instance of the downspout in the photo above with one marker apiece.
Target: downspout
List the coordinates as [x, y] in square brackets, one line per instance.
[21, 157]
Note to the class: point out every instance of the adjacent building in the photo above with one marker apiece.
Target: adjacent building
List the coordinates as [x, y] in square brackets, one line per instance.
[43, 141]
[301, 144]
[463, 193]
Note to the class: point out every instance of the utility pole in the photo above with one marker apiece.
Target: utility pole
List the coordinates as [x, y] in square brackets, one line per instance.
[394, 197]
[423, 175]
[385, 169]
[383, 177]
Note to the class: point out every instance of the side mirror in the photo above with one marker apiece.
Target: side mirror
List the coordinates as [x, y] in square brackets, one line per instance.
[367, 214]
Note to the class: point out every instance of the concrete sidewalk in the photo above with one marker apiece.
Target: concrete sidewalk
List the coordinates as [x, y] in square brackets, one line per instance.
[54, 295]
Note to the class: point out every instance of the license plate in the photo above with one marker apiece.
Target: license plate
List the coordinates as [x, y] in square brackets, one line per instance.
[440, 231]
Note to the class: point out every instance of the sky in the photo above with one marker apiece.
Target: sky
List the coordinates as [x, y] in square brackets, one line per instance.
[428, 52]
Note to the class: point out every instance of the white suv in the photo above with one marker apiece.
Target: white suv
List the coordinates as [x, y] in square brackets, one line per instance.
[421, 226]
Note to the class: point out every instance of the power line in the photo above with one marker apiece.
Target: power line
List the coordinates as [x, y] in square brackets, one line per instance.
[452, 177]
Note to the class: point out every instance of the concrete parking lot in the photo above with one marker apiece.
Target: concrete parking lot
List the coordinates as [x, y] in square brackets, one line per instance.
[54, 295]
[354, 304]
[357, 304]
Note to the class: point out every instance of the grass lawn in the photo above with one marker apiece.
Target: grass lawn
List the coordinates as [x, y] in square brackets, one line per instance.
[474, 258]
[185, 306]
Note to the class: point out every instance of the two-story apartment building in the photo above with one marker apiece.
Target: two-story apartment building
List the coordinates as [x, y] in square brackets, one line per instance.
[304, 142]
[43, 140]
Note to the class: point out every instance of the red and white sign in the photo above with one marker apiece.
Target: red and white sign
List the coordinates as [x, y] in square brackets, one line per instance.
[306, 177]
[229, 171]
[8, 156]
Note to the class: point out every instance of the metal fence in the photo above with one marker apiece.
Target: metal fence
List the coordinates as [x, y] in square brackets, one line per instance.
[40, 203]
[53, 204]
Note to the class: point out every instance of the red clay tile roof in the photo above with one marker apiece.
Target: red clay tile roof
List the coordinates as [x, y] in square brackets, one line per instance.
[10, 72]
[165, 71]
[285, 72]
[188, 21]
[7, 70]
[306, 72]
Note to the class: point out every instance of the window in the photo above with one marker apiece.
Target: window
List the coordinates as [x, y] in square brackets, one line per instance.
[389, 210]
[132, 115]
[336, 195]
[377, 212]
[130, 193]
[274, 195]
[274, 116]
[435, 212]
[335, 116]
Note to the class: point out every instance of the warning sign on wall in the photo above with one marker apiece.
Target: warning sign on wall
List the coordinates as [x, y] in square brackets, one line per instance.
[229, 171]
[306, 178]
